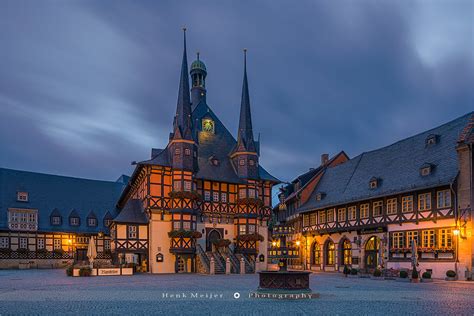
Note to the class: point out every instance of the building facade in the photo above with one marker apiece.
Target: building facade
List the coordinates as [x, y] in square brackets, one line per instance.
[47, 220]
[204, 197]
[365, 212]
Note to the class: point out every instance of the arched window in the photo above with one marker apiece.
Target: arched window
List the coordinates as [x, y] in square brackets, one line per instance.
[347, 252]
[315, 253]
[372, 252]
[330, 253]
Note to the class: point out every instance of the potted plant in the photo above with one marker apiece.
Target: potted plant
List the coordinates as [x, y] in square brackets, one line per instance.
[415, 276]
[426, 277]
[346, 271]
[69, 270]
[354, 272]
[403, 276]
[377, 274]
[450, 275]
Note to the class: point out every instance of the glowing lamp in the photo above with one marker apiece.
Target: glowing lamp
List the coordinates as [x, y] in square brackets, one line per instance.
[274, 243]
[298, 243]
[456, 232]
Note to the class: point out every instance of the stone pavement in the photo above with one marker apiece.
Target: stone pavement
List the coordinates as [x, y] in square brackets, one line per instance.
[51, 292]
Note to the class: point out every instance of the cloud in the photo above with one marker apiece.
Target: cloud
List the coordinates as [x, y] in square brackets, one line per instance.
[88, 86]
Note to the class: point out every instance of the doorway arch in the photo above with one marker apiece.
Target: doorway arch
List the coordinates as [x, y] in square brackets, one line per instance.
[212, 237]
[330, 253]
[371, 257]
[315, 254]
[346, 252]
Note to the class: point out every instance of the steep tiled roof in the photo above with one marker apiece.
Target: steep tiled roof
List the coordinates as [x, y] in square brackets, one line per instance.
[58, 195]
[396, 166]
[132, 212]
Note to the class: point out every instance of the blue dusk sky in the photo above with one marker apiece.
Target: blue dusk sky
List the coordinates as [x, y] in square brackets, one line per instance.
[86, 87]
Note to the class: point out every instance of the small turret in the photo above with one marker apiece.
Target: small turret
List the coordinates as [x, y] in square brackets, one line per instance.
[198, 78]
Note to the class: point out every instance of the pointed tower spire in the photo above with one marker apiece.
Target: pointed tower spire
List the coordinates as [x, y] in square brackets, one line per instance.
[182, 119]
[245, 133]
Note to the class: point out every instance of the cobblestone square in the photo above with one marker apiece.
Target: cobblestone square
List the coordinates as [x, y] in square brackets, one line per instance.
[51, 292]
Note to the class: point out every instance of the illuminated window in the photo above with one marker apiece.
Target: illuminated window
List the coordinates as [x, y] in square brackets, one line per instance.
[424, 201]
[215, 196]
[347, 252]
[444, 199]
[177, 151]
[242, 229]
[341, 215]
[428, 238]
[242, 162]
[132, 232]
[378, 207]
[251, 193]
[330, 253]
[207, 196]
[312, 219]
[187, 152]
[22, 196]
[412, 235]
[177, 185]
[242, 194]
[364, 211]
[224, 197]
[352, 212]
[391, 206]
[107, 244]
[446, 238]
[322, 217]
[330, 215]
[57, 244]
[407, 204]
[398, 240]
[315, 253]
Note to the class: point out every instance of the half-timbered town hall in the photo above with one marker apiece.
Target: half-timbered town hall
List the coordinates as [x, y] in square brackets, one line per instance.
[365, 212]
[201, 199]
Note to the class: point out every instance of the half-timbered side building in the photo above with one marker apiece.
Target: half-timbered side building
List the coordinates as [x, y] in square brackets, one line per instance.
[47, 220]
[205, 196]
[366, 211]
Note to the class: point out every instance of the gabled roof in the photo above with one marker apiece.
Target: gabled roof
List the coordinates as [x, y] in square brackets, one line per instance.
[397, 166]
[58, 196]
[132, 213]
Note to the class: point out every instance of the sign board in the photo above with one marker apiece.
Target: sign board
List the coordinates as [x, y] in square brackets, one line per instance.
[109, 271]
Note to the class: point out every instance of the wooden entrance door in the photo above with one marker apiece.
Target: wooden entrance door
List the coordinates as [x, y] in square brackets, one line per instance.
[81, 255]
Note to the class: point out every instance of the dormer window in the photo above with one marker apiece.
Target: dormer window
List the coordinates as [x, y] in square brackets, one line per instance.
[426, 169]
[56, 220]
[91, 222]
[177, 151]
[187, 152]
[22, 196]
[251, 162]
[107, 222]
[242, 162]
[432, 139]
[374, 183]
[74, 221]
[320, 196]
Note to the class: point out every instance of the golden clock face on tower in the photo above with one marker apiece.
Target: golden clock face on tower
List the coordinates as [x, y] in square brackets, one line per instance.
[208, 125]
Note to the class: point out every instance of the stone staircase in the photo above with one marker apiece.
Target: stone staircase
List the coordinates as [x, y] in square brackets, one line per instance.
[249, 263]
[218, 262]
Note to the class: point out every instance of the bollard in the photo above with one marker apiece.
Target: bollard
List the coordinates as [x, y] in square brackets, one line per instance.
[212, 266]
[227, 266]
[242, 266]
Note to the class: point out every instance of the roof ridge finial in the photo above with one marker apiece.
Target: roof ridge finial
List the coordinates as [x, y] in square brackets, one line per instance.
[184, 36]
[198, 53]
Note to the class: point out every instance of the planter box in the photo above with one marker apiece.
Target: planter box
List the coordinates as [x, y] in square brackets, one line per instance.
[445, 255]
[127, 271]
[427, 255]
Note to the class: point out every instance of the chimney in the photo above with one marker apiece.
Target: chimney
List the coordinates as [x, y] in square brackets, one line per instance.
[324, 159]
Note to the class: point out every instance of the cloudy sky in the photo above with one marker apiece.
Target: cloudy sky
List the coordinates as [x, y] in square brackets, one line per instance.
[86, 87]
